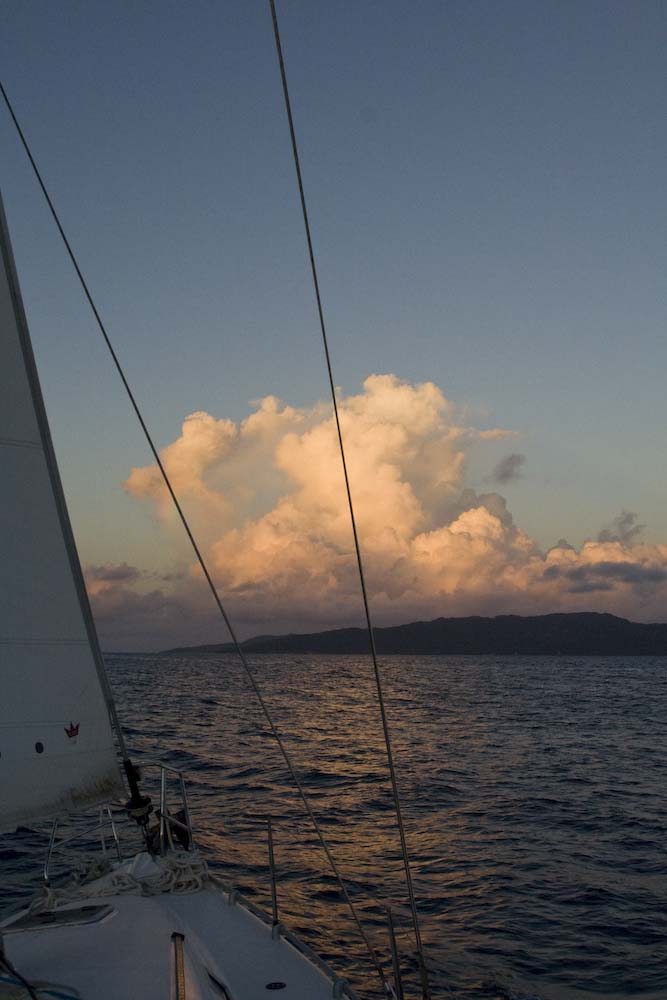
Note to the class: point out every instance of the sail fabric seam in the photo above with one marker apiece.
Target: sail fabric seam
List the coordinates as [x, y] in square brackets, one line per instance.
[54, 754]
[357, 546]
[9, 640]
[16, 443]
[53, 723]
[202, 563]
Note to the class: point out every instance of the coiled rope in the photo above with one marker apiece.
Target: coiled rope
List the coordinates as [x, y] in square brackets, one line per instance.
[176, 873]
[378, 678]
[200, 558]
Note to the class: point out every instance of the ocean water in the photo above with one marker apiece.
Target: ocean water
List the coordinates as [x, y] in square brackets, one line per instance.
[534, 793]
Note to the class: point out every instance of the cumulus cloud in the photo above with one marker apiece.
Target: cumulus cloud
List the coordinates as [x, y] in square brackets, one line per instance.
[204, 442]
[563, 543]
[586, 578]
[269, 501]
[130, 612]
[623, 528]
[112, 573]
[508, 468]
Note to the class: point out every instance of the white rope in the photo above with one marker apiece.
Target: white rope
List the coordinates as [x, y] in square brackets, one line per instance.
[176, 873]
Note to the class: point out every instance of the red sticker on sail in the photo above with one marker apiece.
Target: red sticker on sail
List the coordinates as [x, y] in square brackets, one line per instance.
[72, 730]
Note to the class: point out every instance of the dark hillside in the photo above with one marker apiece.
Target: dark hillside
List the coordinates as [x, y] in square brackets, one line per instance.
[580, 634]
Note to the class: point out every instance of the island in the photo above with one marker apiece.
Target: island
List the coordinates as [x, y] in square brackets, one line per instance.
[566, 634]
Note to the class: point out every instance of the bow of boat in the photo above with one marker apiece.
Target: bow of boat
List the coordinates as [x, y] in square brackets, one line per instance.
[116, 939]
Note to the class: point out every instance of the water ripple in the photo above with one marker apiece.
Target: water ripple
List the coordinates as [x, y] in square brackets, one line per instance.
[533, 790]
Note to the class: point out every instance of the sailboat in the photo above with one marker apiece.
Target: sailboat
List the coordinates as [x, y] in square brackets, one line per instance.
[156, 924]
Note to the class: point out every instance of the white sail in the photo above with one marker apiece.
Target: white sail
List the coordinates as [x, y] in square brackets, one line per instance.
[56, 745]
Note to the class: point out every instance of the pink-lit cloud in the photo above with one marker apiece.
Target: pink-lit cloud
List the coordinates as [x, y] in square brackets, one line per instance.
[268, 499]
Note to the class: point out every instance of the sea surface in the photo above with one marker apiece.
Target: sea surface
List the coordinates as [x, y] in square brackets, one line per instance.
[534, 792]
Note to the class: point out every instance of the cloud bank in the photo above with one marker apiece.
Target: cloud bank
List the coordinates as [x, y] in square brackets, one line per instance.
[267, 498]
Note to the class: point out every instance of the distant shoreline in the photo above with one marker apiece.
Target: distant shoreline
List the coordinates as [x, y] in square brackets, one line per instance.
[567, 634]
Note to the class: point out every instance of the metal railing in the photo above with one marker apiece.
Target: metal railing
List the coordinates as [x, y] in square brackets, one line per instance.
[169, 822]
[105, 821]
[168, 819]
[173, 819]
[174, 823]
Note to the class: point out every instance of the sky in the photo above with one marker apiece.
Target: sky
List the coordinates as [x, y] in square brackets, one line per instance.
[486, 190]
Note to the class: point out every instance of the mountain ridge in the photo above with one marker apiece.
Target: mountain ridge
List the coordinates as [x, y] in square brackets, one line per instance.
[579, 633]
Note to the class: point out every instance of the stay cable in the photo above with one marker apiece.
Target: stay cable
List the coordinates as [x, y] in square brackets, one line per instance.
[199, 556]
[364, 593]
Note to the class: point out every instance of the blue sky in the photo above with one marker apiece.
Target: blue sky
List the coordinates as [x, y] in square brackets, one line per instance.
[486, 187]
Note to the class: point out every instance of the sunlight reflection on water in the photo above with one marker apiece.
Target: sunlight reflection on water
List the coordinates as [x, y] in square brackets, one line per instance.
[533, 791]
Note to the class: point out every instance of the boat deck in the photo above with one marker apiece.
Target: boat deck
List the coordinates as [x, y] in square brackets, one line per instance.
[185, 946]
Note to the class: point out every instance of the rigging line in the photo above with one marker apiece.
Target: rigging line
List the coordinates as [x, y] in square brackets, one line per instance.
[426, 993]
[200, 559]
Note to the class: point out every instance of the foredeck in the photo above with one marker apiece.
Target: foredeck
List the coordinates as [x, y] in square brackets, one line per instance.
[185, 946]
